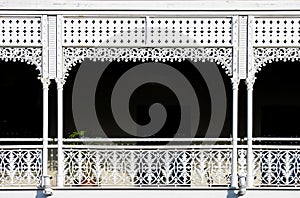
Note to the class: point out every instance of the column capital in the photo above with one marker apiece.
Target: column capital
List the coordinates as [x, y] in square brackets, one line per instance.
[46, 82]
[60, 83]
[235, 81]
[250, 83]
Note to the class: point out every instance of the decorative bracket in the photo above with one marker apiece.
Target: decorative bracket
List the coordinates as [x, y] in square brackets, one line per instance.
[250, 83]
[45, 82]
[235, 83]
[60, 83]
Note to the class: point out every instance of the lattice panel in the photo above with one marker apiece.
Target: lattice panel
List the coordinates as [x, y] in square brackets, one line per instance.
[20, 167]
[103, 31]
[20, 31]
[276, 31]
[189, 31]
[276, 167]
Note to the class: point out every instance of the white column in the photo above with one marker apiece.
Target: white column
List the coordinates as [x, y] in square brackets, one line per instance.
[250, 178]
[60, 155]
[234, 160]
[45, 82]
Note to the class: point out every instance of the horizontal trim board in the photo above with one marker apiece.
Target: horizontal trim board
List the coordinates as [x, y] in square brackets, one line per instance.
[148, 5]
[127, 193]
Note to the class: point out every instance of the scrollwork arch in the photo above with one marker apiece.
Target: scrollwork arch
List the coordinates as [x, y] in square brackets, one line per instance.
[263, 56]
[31, 56]
[72, 56]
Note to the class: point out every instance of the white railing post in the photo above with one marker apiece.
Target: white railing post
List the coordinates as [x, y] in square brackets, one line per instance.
[60, 154]
[234, 166]
[249, 83]
[46, 83]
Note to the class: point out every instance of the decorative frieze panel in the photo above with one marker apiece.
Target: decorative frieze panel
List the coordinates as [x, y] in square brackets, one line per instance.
[24, 38]
[283, 31]
[31, 56]
[189, 32]
[145, 31]
[20, 167]
[271, 39]
[20, 31]
[86, 31]
[222, 56]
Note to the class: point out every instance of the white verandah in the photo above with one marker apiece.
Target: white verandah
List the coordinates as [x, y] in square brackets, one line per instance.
[241, 43]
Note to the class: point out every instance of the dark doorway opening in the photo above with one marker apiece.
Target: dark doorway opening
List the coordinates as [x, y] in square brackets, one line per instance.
[21, 101]
[277, 100]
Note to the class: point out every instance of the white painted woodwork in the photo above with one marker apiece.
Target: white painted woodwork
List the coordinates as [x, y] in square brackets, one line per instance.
[241, 36]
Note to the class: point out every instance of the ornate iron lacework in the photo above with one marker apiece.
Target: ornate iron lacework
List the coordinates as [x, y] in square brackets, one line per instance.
[32, 56]
[276, 167]
[20, 167]
[222, 56]
[242, 162]
[144, 168]
[262, 56]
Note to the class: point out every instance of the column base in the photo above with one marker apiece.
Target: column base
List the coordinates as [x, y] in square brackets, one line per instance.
[250, 181]
[234, 182]
[59, 180]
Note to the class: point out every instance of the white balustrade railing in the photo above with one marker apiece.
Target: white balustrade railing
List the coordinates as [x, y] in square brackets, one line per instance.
[20, 162]
[276, 166]
[276, 162]
[122, 163]
[147, 167]
[20, 167]
[126, 164]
